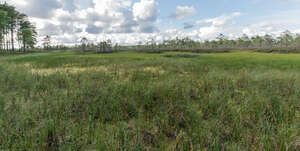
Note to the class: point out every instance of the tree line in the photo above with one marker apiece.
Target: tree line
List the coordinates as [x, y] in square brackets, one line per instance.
[16, 31]
[85, 45]
[286, 41]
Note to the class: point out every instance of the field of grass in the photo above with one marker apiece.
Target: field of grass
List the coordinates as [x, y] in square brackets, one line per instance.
[172, 101]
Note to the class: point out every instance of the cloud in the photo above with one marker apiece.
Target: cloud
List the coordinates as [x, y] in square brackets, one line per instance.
[68, 5]
[145, 14]
[183, 11]
[215, 22]
[267, 27]
[53, 29]
[192, 24]
[121, 16]
[222, 20]
[50, 29]
[94, 29]
[122, 21]
[125, 29]
[38, 8]
[260, 29]
[274, 24]
[17, 3]
[145, 10]
[102, 16]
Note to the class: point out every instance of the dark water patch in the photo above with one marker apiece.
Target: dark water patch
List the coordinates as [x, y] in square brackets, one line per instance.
[184, 56]
[279, 50]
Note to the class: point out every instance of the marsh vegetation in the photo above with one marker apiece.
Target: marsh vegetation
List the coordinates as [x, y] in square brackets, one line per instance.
[141, 101]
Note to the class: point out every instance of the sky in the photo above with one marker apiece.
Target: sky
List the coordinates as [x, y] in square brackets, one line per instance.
[129, 22]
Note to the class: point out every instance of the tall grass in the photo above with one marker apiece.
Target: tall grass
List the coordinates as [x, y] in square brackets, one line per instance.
[198, 103]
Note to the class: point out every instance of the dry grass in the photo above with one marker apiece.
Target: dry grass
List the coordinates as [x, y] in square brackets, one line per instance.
[155, 70]
[69, 69]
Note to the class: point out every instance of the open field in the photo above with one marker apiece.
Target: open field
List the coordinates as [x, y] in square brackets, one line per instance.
[147, 101]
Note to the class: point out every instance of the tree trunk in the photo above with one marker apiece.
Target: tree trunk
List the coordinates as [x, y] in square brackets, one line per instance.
[7, 41]
[12, 40]
[3, 40]
[24, 46]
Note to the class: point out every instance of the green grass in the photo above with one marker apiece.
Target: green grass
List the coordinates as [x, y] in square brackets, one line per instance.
[143, 101]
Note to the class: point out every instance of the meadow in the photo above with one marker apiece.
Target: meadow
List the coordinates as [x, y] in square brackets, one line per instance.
[171, 101]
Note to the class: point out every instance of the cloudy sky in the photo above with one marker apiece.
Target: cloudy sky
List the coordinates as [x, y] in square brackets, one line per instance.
[138, 21]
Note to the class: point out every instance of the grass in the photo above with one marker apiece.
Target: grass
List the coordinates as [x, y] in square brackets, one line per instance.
[150, 101]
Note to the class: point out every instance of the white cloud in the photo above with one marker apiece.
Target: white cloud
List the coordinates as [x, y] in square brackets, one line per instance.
[69, 5]
[113, 18]
[64, 17]
[215, 22]
[275, 24]
[37, 8]
[145, 13]
[145, 10]
[183, 11]
[263, 28]
[96, 27]
[222, 20]
[211, 27]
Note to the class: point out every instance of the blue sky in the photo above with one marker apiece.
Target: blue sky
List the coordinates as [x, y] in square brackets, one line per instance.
[134, 21]
[251, 10]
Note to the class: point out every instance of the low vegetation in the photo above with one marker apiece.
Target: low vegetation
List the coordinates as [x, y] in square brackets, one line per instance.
[141, 101]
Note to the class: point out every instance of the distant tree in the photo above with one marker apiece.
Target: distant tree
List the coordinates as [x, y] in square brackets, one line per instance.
[105, 46]
[3, 24]
[297, 40]
[221, 39]
[15, 24]
[188, 42]
[109, 44]
[269, 40]
[244, 41]
[214, 44]
[47, 42]
[84, 42]
[116, 47]
[257, 41]
[229, 43]
[27, 33]
[12, 23]
[286, 38]
[206, 44]
[152, 44]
